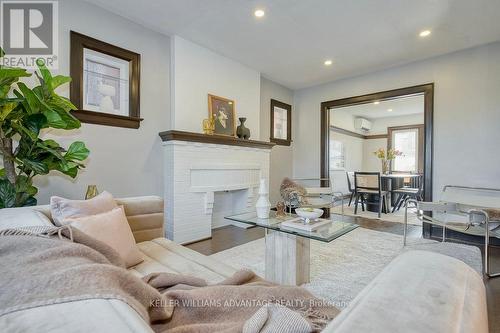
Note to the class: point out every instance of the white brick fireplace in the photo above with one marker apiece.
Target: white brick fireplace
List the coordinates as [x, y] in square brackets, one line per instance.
[195, 172]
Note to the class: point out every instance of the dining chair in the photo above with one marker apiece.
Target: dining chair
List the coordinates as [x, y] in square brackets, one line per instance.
[350, 181]
[369, 183]
[414, 191]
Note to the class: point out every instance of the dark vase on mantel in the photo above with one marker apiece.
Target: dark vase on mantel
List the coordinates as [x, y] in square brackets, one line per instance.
[241, 131]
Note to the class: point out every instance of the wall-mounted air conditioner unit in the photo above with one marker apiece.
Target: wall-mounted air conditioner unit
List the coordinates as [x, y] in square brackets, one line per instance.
[362, 124]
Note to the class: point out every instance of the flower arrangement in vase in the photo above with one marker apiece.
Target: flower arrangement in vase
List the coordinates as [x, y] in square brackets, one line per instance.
[386, 158]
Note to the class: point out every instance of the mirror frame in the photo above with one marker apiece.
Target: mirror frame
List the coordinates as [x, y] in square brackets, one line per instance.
[426, 89]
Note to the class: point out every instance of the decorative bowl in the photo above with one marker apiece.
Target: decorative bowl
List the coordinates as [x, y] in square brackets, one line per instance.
[309, 214]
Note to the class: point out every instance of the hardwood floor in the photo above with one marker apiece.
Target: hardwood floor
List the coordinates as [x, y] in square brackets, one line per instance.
[231, 236]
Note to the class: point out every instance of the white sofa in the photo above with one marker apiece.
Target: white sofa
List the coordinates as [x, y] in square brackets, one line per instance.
[418, 292]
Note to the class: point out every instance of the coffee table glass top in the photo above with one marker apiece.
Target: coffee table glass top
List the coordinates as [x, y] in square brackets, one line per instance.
[326, 233]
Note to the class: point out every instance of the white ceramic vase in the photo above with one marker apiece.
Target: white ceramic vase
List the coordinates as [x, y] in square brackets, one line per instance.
[263, 205]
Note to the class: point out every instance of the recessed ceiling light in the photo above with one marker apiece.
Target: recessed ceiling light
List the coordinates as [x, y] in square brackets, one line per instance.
[389, 110]
[376, 102]
[328, 62]
[259, 13]
[424, 33]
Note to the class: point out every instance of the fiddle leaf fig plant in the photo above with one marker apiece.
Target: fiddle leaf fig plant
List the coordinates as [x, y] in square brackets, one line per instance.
[24, 113]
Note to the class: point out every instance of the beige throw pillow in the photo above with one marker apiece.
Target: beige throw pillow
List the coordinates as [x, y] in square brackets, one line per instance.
[62, 209]
[113, 229]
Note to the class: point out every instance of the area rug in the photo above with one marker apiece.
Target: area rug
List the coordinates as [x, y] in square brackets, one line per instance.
[397, 216]
[342, 268]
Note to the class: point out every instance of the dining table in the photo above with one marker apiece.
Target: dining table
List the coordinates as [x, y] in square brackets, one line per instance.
[391, 182]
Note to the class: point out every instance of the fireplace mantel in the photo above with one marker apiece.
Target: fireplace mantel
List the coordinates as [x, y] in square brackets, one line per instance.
[201, 168]
[175, 135]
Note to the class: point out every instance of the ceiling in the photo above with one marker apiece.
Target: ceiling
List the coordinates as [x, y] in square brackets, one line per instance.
[400, 107]
[291, 42]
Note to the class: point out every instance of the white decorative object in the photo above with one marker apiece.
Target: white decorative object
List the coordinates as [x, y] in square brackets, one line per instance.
[107, 92]
[308, 214]
[263, 204]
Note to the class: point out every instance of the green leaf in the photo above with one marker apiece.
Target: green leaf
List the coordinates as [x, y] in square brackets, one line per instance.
[23, 130]
[53, 119]
[2, 52]
[71, 172]
[4, 90]
[2, 173]
[62, 103]
[31, 98]
[24, 185]
[70, 122]
[55, 151]
[10, 75]
[77, 151]
[7, 194]
[36, 122]
[6, 109]
[31, 201]
[36, 166]
[59, 80]
[47, 77]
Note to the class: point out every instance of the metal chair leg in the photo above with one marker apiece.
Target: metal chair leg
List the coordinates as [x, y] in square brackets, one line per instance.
[356, 200]
[398, 202]
[487, 268]
[350, 199]
[380, 203]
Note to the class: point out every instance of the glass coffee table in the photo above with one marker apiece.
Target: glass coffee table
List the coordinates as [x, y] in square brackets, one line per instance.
[287, 249]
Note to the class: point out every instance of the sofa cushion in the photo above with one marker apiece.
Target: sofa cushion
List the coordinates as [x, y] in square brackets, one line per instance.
[419, 291]
[112, 229]
[62, 208]
[89, 315]
[163, 255]
[22, 217]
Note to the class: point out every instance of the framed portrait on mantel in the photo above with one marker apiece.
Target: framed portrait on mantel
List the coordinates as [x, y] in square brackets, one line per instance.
[105, 82]
[281, 123]
[223, 110]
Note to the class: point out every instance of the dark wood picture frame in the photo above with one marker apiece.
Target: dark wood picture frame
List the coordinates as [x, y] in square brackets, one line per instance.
[211, 100]
[428, 92]
[288, 108]
[80, 42]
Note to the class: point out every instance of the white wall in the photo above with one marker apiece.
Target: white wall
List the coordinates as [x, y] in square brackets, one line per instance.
[353, 149]
[197, 72]
[379, 125]
[370, 161]
[123, 161]
[281, 156]
[466, 114]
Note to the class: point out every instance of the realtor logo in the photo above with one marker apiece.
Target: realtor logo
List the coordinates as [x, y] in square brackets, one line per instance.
[28, 32]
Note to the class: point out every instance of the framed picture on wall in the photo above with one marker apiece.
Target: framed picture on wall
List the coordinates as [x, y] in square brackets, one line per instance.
[223, 110]
[105, 82]
[281, 123]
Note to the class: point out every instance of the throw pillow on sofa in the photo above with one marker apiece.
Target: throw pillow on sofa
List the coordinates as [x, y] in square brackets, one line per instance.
[62, 209]
[113, 229]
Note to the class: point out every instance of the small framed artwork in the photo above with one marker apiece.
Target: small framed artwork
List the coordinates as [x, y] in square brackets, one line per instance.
[105, 85]
[281, 123]
[223, 110]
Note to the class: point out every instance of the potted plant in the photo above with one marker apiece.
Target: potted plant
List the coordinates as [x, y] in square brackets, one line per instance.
[386, 158]
[24, 113]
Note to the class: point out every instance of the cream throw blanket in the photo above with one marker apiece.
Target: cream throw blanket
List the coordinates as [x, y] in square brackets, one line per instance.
[38, 271]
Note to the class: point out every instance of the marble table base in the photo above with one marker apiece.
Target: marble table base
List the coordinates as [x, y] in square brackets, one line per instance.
[287, 258]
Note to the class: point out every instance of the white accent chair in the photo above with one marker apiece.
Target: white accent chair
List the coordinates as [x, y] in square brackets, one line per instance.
[462, 209]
